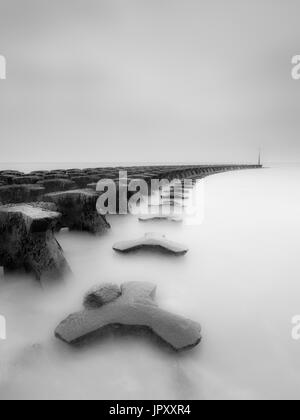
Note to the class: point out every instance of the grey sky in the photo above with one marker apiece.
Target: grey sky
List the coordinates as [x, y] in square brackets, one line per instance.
[149, 80]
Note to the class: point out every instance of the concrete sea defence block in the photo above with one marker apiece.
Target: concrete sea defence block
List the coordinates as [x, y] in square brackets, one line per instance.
[15, 194]
[84, 180]
[28, 242]
[84, 177]
[78, 210]
[160, 217]
[23, 180]
[151, 241]
[57, 184]
[131, 306]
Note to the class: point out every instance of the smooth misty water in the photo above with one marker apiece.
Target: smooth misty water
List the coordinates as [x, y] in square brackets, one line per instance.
[240, 280]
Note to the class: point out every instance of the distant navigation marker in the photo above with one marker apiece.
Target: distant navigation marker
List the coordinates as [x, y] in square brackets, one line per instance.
[259, 158]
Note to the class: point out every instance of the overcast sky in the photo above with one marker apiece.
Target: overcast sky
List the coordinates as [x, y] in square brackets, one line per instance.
[149, 80]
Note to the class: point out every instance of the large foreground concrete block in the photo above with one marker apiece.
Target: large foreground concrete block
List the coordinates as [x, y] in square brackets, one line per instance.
[27, 241]
[132, 308]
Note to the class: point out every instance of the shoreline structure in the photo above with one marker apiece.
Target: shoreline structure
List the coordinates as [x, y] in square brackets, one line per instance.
[34, 206]
[20, 187]
[40, 203]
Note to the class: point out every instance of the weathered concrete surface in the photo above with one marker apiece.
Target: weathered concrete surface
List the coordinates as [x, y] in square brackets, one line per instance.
[84, 180]
[16, 194]
[50, 206]
[92, 186]
[151, 241]
[58, 175]
[12, 172]
[134, 308]
[57, 184]
[23, 180]
[45, 206]
[101, 295]
[40, 174]
[7, 178]
[78, 210]
[27, 242]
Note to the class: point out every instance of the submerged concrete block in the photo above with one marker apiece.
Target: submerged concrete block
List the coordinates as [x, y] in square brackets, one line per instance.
[27, 241]
[136, 309]
[160, 217]
[151, 241]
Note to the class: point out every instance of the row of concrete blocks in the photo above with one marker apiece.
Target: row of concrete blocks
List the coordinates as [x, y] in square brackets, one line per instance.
[27, 238]
[27, 231]
[27, 242]
[16, 187]
[83, 176]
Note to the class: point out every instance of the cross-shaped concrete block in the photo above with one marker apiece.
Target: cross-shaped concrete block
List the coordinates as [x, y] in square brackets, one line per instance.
[133, 307]
[151, 241]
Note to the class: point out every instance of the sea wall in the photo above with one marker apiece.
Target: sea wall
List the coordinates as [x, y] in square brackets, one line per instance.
[18, 187]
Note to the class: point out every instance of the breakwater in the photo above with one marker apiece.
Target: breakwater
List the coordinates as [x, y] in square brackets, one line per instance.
[18, 187]
[36, 204]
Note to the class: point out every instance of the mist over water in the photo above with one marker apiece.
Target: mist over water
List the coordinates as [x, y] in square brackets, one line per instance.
[240, 280]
